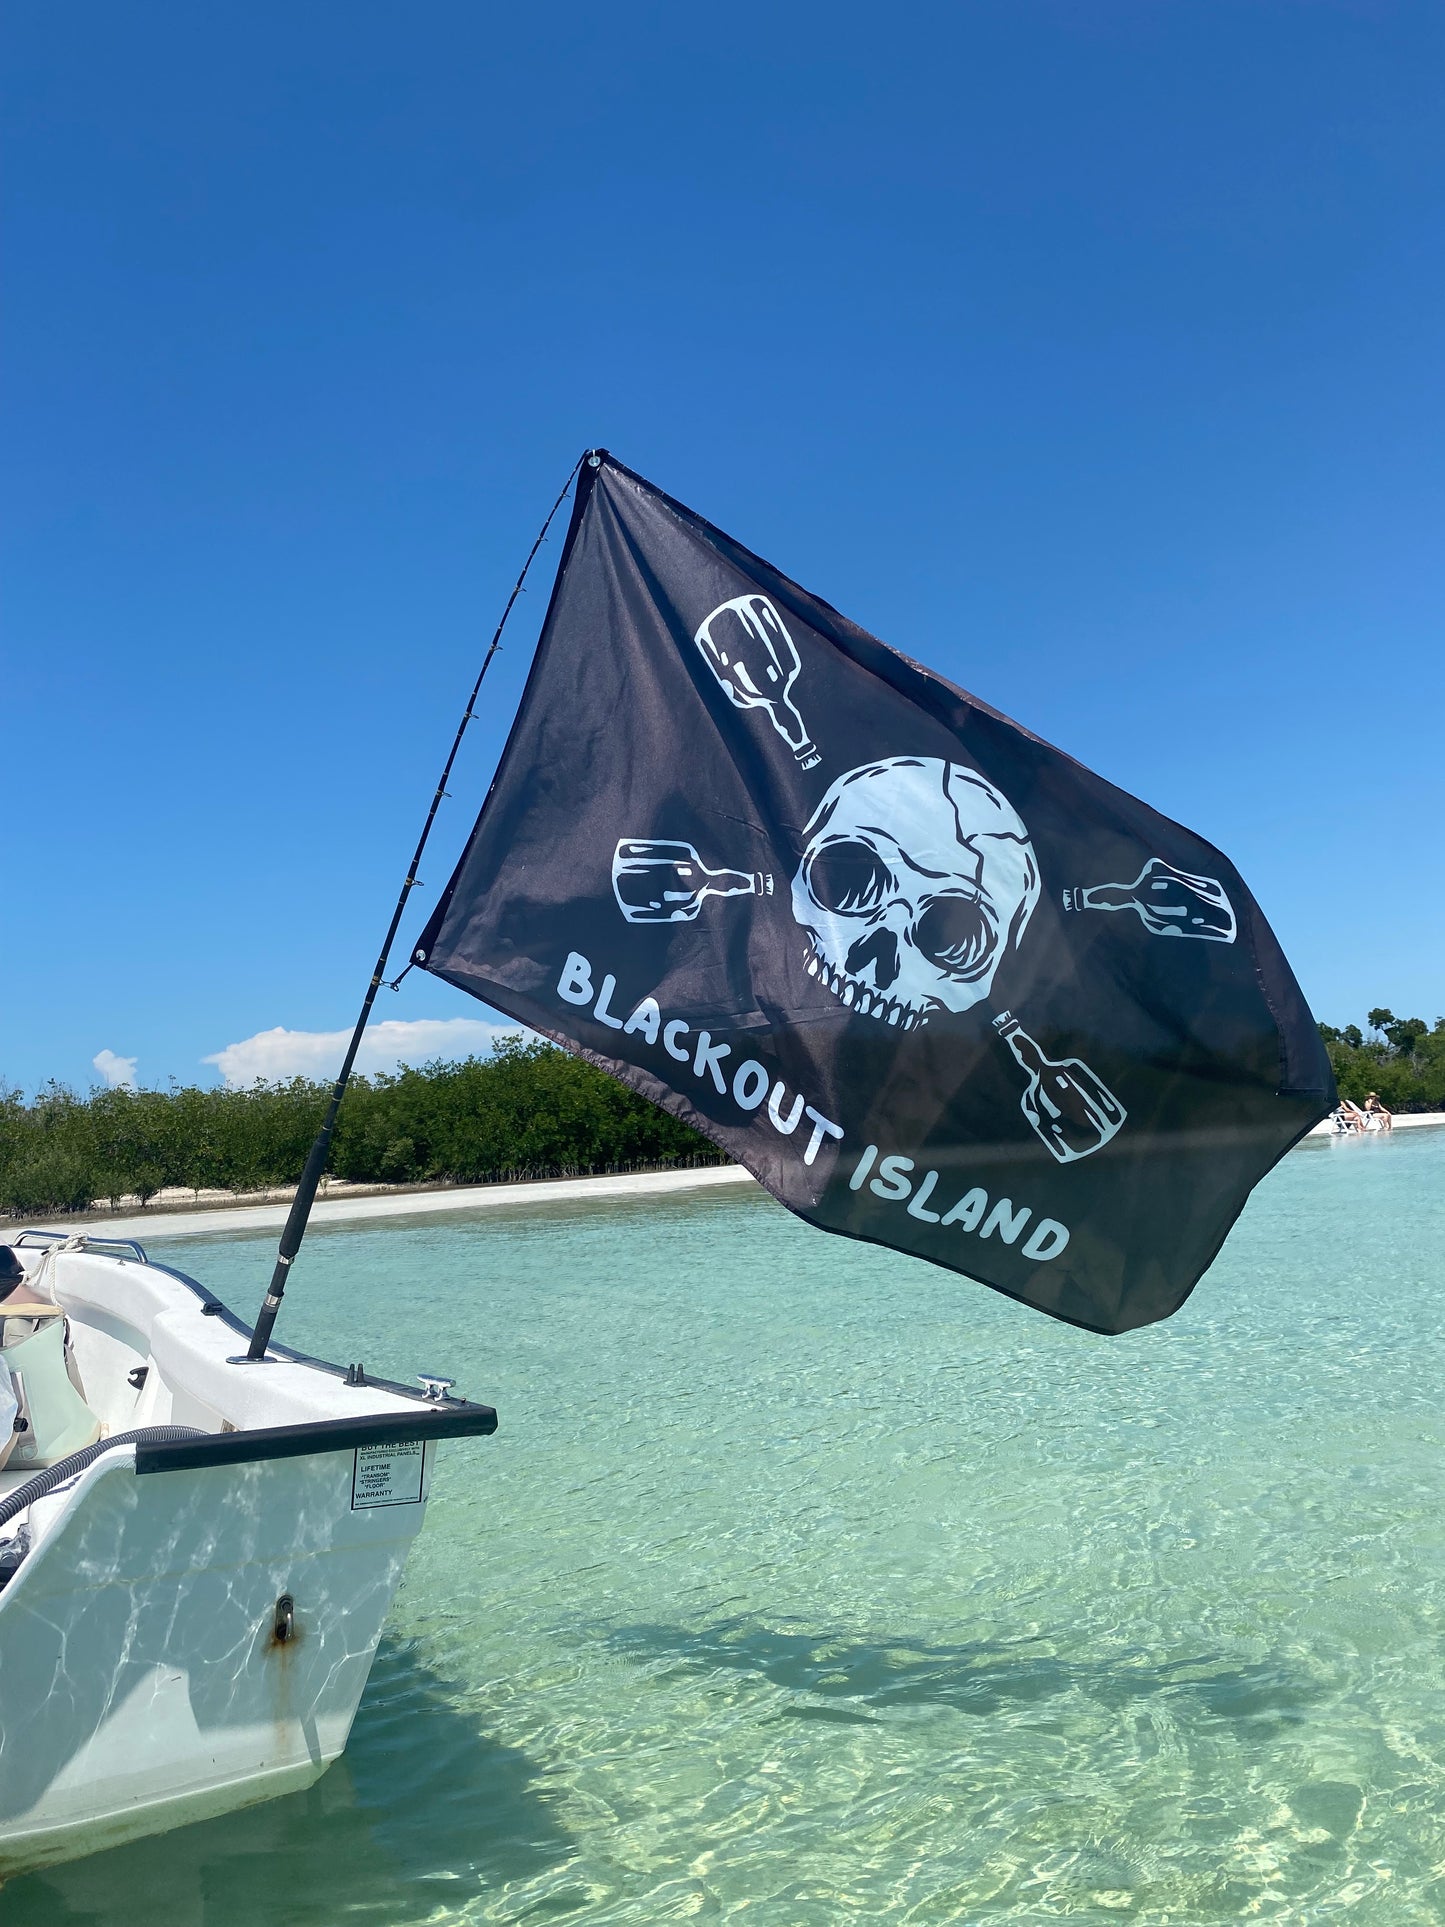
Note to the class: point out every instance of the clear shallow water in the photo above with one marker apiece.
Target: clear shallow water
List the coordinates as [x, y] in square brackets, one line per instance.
[803, 1584]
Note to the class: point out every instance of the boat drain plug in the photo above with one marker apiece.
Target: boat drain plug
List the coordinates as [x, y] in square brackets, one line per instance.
[284, 1624]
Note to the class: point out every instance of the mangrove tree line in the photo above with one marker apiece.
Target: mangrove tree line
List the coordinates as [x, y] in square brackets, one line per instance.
[528, 1111]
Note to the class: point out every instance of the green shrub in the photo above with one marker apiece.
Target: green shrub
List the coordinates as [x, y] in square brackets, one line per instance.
[530, 1110]
[1403, 1062]
[52, 1178]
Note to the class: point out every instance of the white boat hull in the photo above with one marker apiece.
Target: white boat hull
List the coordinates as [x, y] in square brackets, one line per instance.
[143, 1683]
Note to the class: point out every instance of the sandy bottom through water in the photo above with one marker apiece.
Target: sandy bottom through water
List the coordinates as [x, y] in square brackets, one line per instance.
[805, 1584]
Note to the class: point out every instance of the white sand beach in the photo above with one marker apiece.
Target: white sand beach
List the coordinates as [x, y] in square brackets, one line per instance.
[172, 1223]
[1402, 1123]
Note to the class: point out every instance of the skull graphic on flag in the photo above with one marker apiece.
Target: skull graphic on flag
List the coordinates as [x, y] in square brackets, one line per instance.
[853, 925]
[917, 876]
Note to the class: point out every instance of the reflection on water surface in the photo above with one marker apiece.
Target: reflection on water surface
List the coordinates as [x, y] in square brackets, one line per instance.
[804, 1584]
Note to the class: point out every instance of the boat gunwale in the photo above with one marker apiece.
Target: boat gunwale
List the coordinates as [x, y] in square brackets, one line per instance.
[446, 1417]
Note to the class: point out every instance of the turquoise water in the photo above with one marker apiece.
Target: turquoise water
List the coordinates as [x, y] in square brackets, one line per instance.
[803, 1584]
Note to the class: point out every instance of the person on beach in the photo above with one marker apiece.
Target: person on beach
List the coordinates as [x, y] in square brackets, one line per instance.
[1350, 1115]
[1376, 1114]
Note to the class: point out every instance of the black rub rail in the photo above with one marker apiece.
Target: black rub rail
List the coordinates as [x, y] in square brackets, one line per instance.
[457, 1419]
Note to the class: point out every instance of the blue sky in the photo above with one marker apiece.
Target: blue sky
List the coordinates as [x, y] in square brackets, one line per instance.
[1090, 353]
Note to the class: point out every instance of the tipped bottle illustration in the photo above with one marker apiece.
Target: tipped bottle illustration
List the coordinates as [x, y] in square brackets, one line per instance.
[747, 647]
[1170, 902]
[1073, 1111]
[663, 882]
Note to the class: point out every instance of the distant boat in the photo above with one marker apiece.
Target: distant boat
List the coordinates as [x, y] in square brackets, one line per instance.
[196, 1556]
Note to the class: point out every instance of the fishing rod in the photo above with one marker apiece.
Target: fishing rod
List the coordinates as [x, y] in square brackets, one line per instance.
[300, 1212]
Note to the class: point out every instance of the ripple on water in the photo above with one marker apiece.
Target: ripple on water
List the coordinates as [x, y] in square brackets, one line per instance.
[805, 1584]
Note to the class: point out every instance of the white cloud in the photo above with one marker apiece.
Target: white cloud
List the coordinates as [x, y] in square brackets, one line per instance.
[115, 1070]
[317, 1054]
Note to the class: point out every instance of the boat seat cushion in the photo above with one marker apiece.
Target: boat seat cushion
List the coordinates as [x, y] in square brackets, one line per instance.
[57, 1419]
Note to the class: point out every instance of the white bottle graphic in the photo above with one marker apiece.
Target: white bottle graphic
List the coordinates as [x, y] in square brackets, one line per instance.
[1070, 1108]
[747, 647]
[1170, 902]
[655, 881]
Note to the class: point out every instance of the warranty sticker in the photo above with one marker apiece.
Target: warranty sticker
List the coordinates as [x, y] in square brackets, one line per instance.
[388, 1474]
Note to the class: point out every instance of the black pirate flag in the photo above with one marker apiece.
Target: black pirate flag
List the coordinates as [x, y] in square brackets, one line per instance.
[932, 981]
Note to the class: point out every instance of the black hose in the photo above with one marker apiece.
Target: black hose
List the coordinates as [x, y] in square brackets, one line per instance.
[53, 1475]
